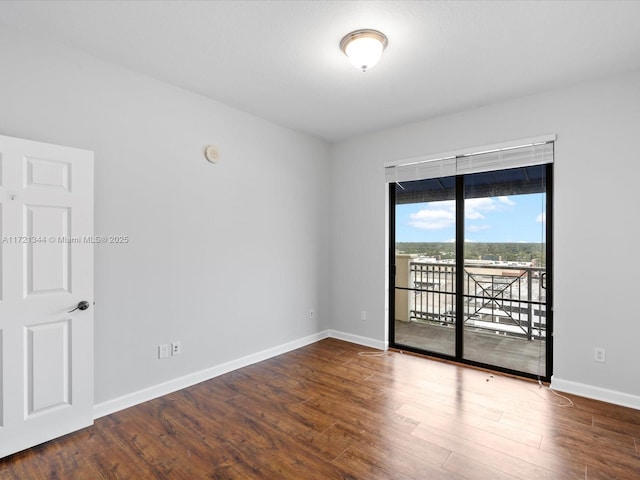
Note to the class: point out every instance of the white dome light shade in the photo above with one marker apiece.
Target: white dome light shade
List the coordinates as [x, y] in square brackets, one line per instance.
[364, 48]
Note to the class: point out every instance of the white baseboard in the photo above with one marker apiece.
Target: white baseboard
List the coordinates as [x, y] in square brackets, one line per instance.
[595, 393]
[129, 400]
[357, 339]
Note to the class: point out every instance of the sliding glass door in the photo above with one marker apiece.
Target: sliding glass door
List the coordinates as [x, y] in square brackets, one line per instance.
[425, 258]
[470, 256]
[503, 298]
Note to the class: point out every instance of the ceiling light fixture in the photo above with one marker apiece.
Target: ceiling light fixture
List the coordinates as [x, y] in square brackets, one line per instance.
[364, 47]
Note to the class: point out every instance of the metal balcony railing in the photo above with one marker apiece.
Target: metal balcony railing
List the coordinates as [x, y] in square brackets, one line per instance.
[499, 297]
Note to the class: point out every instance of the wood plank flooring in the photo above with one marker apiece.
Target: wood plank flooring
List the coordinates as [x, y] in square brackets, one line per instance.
[328, 411]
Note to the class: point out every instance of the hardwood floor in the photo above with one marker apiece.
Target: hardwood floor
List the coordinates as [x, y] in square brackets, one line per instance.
[326, 412]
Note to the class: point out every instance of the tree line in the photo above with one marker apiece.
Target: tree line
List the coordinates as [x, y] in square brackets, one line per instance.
[507, 252]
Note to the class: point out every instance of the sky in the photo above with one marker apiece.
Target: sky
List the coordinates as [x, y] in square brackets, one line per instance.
[511, 219]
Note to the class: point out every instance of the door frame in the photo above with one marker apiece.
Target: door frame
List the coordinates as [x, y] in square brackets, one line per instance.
[459, 325]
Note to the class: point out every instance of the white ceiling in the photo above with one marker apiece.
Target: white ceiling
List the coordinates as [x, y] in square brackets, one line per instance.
[280, 60]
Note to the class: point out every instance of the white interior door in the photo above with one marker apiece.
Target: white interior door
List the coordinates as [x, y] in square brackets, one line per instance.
[46, 260]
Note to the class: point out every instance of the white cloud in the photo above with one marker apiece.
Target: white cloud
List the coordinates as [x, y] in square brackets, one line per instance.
[477, 208]
[542, 218]
[437, 216]
[506, 201]
[441, 215]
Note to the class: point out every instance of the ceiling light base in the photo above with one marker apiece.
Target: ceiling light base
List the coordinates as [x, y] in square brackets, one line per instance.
[364, 47]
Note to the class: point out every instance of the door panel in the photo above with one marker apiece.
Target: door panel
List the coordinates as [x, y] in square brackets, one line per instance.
[47, 173]
[470, 268]
[425, 281]
[504, 314]
[47, 263]
[46, 259]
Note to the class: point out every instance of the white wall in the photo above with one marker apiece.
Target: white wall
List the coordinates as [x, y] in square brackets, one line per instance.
[226, 258]
[596, 183]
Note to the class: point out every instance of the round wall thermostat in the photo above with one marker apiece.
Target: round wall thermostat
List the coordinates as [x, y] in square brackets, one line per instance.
[212, 153]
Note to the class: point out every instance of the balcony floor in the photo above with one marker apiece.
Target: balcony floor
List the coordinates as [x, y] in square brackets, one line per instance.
[508, 352]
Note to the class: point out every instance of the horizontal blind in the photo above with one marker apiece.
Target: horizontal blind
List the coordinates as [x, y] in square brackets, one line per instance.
[499, 159]
[443, 167]
[504, 159]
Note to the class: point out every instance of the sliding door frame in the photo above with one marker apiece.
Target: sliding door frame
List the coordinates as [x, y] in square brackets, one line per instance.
[459, 321]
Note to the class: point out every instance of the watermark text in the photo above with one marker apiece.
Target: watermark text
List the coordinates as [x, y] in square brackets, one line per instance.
[64, 239]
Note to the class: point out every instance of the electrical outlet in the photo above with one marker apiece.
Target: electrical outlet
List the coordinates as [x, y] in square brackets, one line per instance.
[310, 313]
[363, 315]
[163, 350]
[599, 354]
[176, 348]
